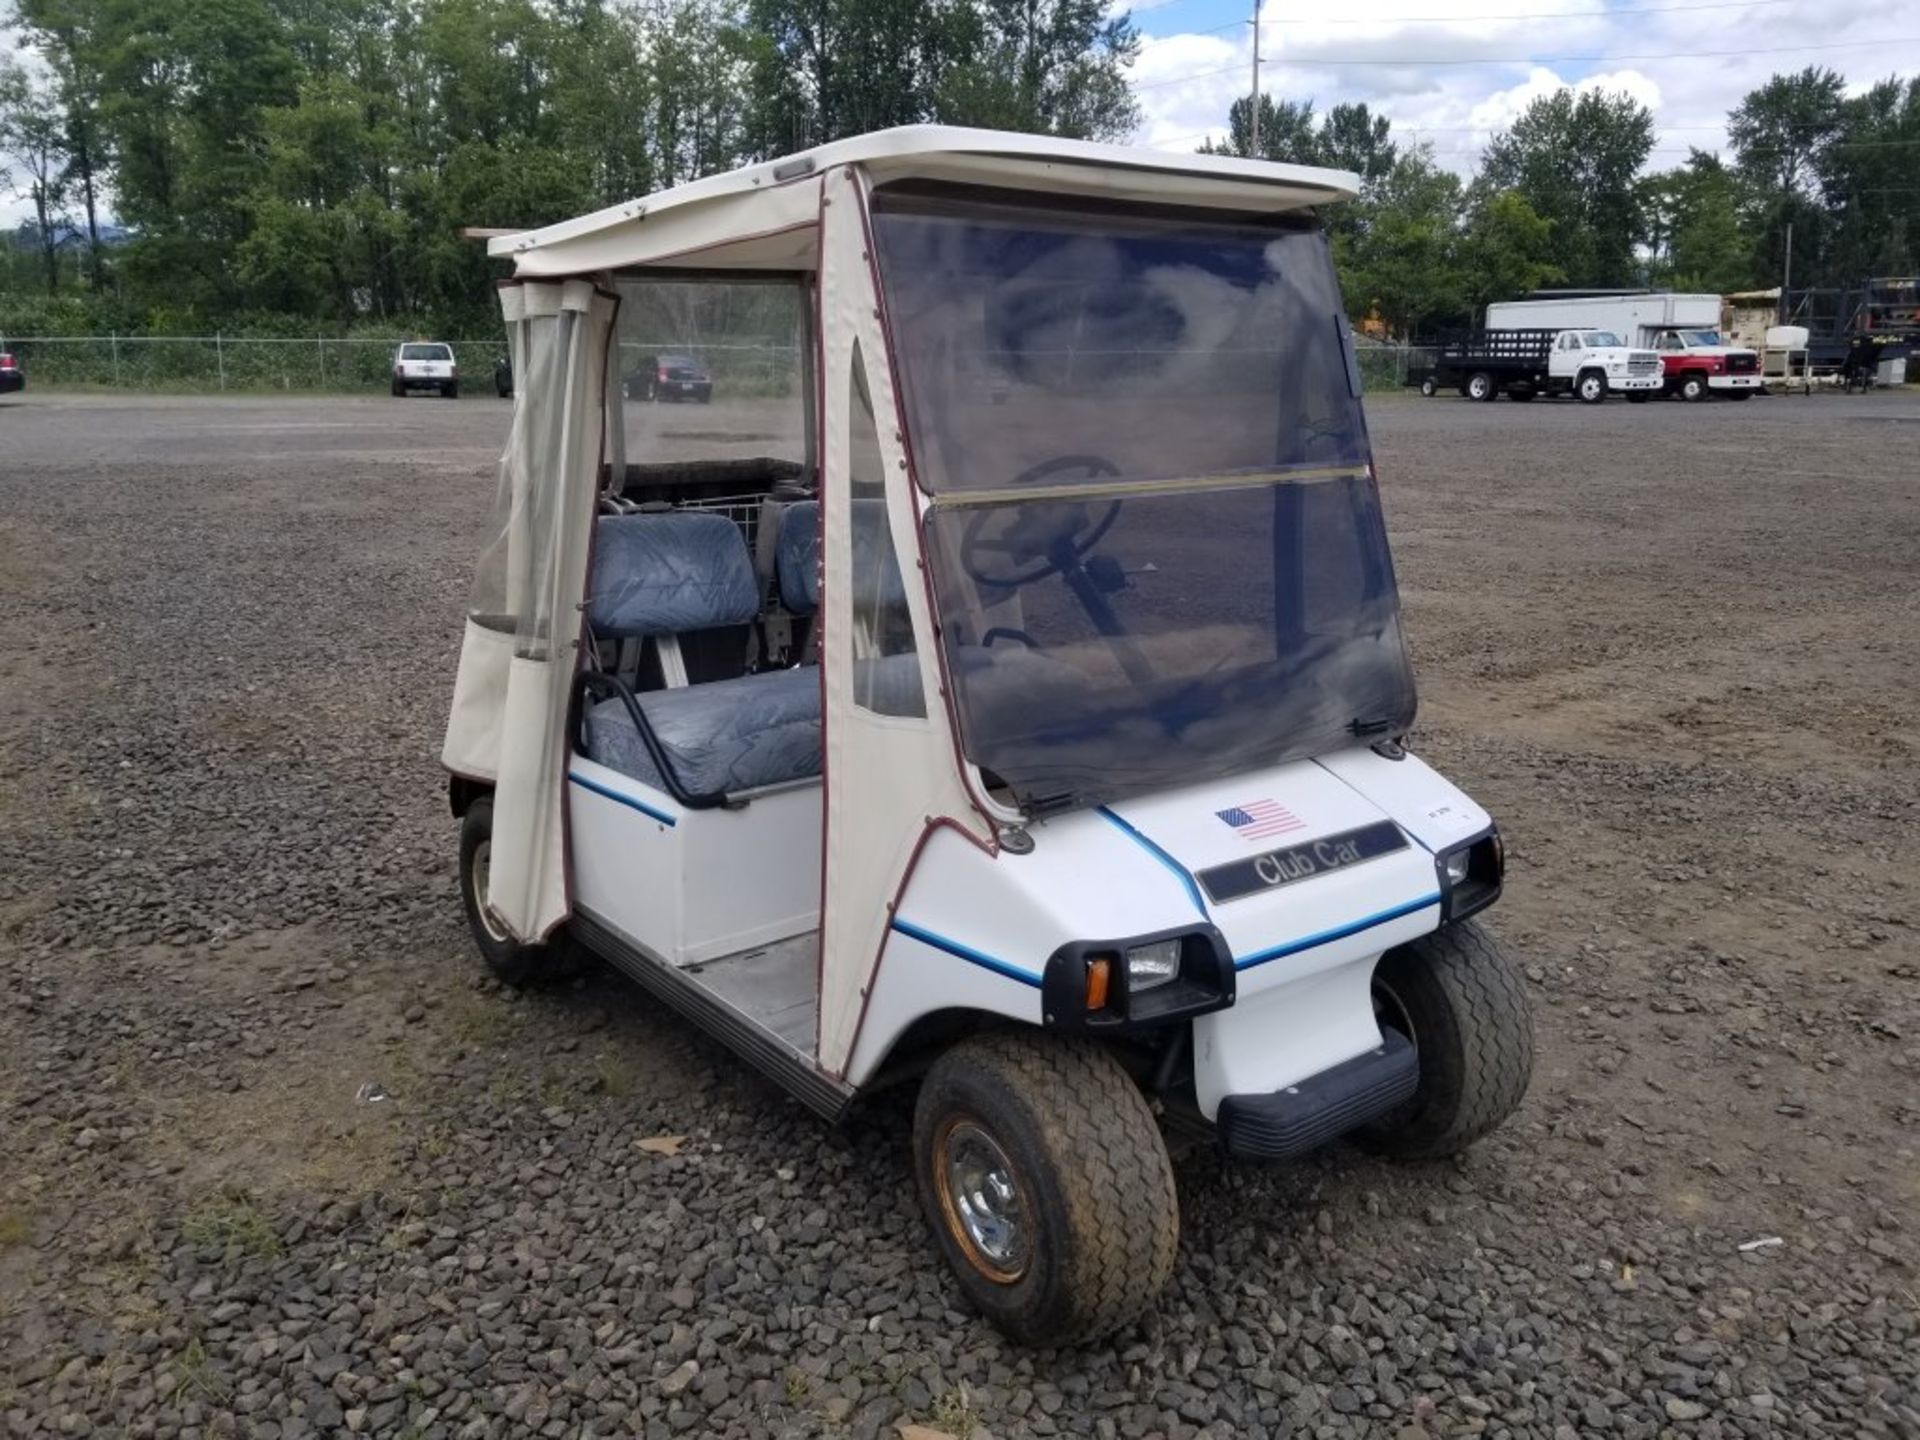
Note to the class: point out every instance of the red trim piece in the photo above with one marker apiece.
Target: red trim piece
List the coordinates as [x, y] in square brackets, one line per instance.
[934, 822]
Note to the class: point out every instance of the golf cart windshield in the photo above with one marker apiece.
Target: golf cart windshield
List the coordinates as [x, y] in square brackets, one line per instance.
[1156, 544]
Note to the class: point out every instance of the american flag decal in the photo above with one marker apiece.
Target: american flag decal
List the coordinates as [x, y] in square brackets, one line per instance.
[1261, 819]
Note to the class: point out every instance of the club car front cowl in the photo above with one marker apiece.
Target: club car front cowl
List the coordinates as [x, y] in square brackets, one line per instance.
[1001, 689]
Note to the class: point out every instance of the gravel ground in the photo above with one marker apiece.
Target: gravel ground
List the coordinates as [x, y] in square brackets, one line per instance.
[274, 1162]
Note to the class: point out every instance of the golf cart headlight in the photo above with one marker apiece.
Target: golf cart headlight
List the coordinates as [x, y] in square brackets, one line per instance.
[1470, 875]
[1152, 965]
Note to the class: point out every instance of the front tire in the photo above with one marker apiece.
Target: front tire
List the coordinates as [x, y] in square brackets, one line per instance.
[1047, 1185]
[1459, 999]
[1693, 389]
[1428, 388]
[1591, 387]
[1636, 397]
[510, 961]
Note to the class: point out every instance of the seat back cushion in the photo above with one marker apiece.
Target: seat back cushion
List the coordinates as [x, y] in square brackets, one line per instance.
[798, 558]
[669, 573]
[797, 561]
[720, 738]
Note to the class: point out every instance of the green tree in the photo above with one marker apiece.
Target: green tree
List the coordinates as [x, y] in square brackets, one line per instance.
[1402, 261]
[1353, 138]
[1778, 134]
[1866, 178]
[1699, 226]
[31, 132]
[1050, 67]
[1780, 130]
[1574, 158]
[1287, 131]
[1506, 250]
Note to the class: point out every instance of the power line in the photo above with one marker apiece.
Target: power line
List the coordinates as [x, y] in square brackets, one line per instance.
[1316, 62]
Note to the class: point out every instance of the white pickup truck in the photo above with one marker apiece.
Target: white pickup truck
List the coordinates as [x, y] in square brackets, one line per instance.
[426, 365]
[1588, 364]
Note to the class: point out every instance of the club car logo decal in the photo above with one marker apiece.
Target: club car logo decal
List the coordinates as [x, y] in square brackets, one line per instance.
[1261, 820]
[1238, 879]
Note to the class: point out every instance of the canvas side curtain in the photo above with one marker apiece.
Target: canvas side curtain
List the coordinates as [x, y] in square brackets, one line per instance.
[521, 644]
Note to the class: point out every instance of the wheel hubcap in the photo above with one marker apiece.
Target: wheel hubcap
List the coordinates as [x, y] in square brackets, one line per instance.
[482, 870]
[980, 1196]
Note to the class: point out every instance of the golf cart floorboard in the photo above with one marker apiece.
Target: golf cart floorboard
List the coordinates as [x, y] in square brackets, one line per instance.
[759, 1003]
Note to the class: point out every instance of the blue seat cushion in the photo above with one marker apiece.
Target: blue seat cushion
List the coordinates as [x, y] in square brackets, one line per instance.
[722, 737]
[664, 574]
[797, 556]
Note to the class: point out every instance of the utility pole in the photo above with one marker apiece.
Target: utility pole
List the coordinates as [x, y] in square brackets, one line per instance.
[1253, 101]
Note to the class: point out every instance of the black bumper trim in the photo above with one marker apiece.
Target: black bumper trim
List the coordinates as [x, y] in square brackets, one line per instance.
[1322, 1107]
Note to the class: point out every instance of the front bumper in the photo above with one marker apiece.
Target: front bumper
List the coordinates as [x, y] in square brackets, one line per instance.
[1636, 382]
[1733, 382]
[1304, 1116]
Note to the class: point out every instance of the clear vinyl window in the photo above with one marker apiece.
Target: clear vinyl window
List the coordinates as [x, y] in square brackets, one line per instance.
[886, 672]
[1154, 535]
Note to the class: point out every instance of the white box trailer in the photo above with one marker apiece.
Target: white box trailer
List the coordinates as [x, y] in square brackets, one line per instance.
[1685, 329]
[1636, 319]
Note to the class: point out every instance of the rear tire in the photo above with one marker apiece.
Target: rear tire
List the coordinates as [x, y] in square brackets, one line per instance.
[1740, 394]
[511, 962]
[1480, 386]
[452, 392]
[1428, 388]
[399, 391]
[1521, 393]
[1047, 1186]
[1459, 999]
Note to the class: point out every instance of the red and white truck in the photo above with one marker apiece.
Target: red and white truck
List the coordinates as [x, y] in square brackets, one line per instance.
[1684, 329]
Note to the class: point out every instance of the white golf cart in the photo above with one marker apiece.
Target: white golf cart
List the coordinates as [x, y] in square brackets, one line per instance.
[1000, 685]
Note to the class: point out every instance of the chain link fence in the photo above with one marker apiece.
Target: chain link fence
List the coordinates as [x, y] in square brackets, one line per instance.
[1387, 367]
[323, 363]
[219, 362]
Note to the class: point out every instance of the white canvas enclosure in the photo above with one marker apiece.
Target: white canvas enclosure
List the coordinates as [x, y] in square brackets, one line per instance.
[520, 645]
[891, 779]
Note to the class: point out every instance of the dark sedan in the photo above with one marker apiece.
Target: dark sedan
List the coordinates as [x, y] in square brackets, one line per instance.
[670, 377]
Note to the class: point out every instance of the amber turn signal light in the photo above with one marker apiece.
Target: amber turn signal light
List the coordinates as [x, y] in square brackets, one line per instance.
[1098, 973]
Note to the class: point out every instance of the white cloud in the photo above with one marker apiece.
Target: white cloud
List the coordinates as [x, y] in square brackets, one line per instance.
[1501, 54]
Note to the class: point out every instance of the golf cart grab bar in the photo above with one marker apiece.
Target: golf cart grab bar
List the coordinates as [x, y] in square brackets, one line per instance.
[605, 684]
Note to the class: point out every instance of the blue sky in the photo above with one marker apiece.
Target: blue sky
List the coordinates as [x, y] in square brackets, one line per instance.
[1689, 61]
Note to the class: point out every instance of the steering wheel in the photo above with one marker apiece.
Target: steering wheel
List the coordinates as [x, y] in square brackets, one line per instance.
[1038, 538]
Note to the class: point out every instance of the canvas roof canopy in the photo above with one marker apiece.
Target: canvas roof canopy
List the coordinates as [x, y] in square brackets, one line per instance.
[764, 217]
